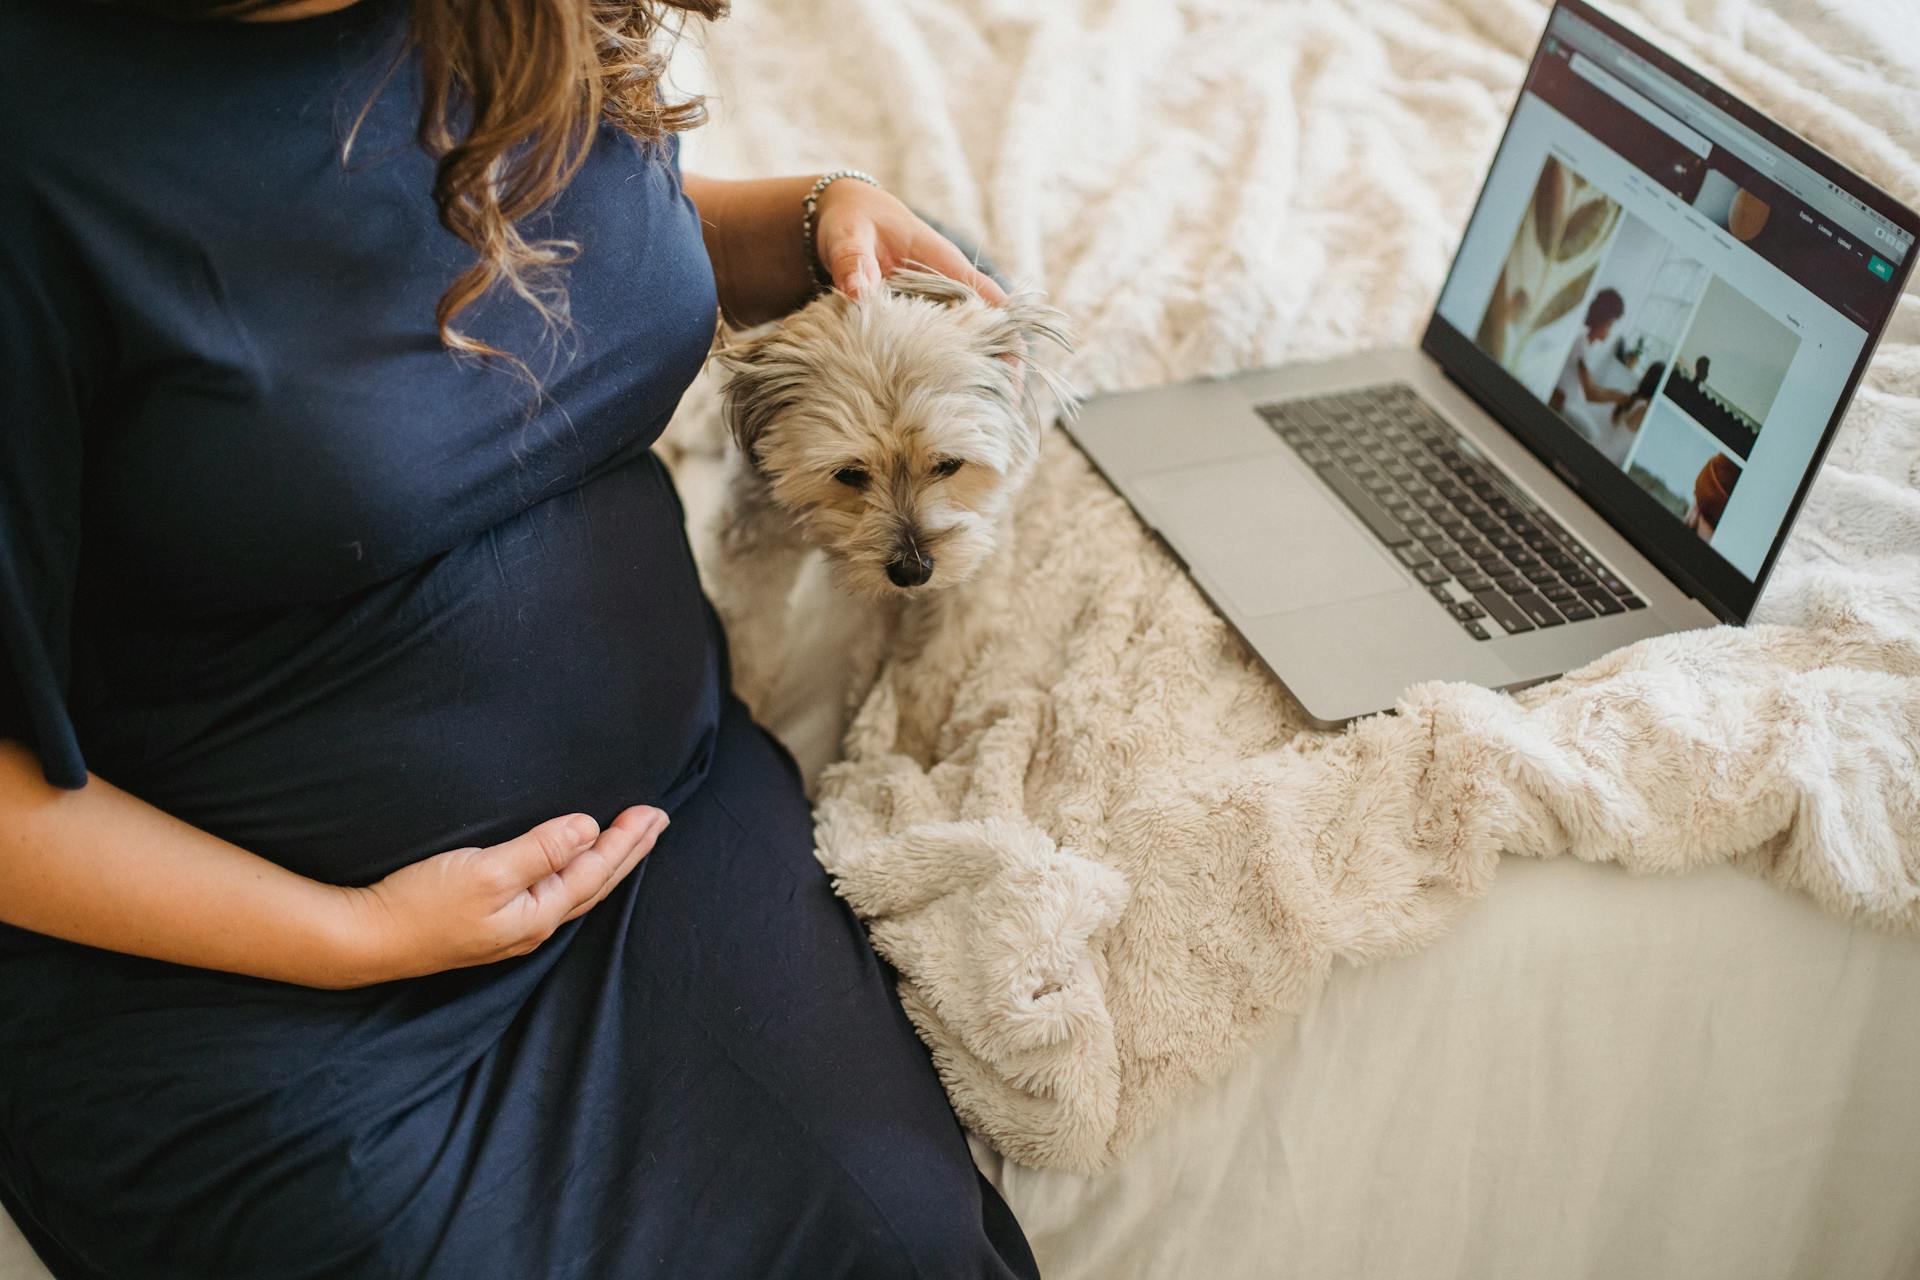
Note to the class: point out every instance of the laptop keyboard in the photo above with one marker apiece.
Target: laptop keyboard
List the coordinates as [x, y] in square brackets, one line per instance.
[1496, 561]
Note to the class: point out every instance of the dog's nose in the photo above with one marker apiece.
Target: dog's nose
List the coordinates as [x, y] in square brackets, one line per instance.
[911, 569]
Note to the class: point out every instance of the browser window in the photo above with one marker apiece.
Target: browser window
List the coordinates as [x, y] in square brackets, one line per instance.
[1688, 299]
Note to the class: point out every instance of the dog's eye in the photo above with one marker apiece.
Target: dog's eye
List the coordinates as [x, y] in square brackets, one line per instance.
[852, 477]
[947, 466]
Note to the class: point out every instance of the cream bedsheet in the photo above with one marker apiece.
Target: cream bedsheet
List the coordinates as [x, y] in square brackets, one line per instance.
[1593, 1076]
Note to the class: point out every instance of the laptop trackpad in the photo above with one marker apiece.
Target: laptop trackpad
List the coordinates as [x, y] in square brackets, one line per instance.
[1265, 533]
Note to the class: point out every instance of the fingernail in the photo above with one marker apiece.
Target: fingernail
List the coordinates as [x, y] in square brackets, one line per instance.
[583, 830]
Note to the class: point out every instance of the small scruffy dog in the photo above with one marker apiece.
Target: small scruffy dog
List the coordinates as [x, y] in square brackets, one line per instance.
[890, 433]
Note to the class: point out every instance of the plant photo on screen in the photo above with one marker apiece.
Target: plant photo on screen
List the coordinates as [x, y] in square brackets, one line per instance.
[1556, 250]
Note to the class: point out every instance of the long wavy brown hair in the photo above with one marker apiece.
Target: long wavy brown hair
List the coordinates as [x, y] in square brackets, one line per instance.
[512, 93]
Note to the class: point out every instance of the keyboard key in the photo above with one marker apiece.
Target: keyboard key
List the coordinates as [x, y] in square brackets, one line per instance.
[1384, 526]
[1575, 612]
[1412, 555]
[1475, 582]
[1633, 602]
[1442, 594]
[1501, 609]
[1540, 575]
[1468, 610]
[1559, 592]
[1538, 611]
[1455, 563]
[1475, 630]
[1512, 584]
[1431, 573]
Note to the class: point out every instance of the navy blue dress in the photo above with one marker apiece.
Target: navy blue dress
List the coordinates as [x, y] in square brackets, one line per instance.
[275, 562]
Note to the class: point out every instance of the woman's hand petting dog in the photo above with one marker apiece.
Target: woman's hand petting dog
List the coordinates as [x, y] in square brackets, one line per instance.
[864, 235]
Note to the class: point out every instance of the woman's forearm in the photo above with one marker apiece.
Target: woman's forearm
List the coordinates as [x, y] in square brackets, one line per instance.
[752, 230]
[99, 867]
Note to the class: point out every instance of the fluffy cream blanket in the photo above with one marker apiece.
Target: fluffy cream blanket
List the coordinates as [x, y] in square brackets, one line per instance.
[1099, 843]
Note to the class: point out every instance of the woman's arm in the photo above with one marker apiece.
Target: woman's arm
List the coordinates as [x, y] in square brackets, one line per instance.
[100, 867]
[1593, 390]
[752, 230]
[759, 272]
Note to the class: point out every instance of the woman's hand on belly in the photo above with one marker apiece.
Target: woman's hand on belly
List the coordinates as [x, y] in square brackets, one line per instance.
[99, 866]
[475, 906]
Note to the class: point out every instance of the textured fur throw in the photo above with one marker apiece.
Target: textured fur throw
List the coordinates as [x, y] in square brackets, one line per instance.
[1098, 842]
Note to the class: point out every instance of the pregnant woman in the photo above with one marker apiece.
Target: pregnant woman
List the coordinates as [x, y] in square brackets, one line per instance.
[355, 662]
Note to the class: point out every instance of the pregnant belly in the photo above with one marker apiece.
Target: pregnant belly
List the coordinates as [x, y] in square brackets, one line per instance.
[563, 661]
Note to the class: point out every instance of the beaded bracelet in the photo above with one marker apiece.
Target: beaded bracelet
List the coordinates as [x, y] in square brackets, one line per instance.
[821, 276]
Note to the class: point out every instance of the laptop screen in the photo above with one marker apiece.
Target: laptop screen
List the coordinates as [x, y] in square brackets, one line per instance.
[1687, 296]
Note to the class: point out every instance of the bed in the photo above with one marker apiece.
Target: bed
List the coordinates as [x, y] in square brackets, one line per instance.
[1593, 1074]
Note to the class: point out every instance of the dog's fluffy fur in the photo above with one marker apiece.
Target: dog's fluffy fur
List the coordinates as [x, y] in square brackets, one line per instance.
[890, 433]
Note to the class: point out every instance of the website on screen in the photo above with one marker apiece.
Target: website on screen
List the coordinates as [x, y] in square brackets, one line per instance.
[1679, 291]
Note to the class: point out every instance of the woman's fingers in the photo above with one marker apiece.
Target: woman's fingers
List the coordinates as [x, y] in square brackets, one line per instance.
[945, 257]
[547, 850]
[577, 886]
[865, 232]
[646, 829]
[851, 256]
[565, 865]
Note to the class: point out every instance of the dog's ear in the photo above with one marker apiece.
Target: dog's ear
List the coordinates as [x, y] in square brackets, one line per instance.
[918, 281]
[761, 376]
[1008, 332]
[1012, 330]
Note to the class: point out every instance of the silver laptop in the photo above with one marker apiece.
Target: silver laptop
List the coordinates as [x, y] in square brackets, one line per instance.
[1658, 313]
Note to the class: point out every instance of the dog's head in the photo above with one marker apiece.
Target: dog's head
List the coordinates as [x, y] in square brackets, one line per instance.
[896, 429]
